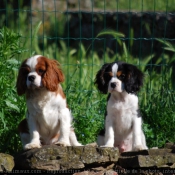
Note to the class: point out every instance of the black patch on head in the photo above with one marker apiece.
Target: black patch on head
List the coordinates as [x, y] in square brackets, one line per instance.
[133, 79]
[131, 76]
[103, 77]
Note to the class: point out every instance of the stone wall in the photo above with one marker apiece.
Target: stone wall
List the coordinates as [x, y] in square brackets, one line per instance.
[90, 160]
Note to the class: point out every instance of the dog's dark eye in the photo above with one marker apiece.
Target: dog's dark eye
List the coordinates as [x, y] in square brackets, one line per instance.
[40, 71]
[122, 76]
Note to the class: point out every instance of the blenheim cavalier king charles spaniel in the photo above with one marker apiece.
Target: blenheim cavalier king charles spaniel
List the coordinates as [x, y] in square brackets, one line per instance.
[123, 122]
[48, 119]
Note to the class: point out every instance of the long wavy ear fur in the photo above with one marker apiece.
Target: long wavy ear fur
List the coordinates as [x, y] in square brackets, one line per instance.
[21, 80]
[101, 80]
[53, 75]
[134, 79]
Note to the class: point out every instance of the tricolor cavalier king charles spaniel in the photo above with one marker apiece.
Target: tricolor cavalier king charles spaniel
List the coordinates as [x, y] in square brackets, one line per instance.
[123, 122]
[48, 119]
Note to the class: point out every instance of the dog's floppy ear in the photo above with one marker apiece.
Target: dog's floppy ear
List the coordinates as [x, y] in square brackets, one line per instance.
[102, 79]
[21, 79]
[53, 75]
[134, 78]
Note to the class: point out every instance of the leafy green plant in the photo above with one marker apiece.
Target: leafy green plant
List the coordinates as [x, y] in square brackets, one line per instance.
[156, 98]
[11, 106]
[88, 106]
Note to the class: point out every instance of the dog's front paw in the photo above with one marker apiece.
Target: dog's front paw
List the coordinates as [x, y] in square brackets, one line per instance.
[62, 143]
[32, 146]
[78, 144]
[138, 148]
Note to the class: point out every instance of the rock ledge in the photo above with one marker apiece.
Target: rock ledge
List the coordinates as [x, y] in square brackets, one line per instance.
[90, 160]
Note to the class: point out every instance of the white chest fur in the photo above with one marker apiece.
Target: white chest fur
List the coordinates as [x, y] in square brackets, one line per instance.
[44, 102]
[122, 110]
[47, 108]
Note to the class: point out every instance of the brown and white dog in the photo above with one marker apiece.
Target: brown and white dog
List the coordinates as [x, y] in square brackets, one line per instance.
[48, 119]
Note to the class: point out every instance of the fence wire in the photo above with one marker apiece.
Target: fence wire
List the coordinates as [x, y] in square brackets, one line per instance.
[83, 35]
[68, 30]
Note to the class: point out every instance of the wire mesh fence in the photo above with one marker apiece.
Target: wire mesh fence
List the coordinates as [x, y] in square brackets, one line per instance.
[84, 34]
[74, 26]
[77, 23]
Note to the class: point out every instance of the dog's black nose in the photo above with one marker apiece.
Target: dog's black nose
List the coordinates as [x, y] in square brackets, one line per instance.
[31, 78]
[113, 85]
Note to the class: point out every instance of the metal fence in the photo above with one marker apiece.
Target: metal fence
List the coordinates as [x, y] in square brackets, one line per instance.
[69, 32]
[82, 35]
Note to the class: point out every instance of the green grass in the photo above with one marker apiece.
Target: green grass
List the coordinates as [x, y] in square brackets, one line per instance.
[156, 98]
[12, 107]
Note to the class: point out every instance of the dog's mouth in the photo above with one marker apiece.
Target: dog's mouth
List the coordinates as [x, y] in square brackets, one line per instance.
[34, 86]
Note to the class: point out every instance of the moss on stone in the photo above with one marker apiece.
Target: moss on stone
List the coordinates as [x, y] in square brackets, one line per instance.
[6, 162]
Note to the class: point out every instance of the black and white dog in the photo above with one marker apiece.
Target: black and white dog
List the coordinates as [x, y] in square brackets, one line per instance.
[123, 122]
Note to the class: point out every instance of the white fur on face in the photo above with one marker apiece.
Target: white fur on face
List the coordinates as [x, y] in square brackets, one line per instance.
[114, 80]
[115, 69]
[32, 62]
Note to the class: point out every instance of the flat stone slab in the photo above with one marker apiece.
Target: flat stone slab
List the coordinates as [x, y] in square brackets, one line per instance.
[147, 158]
[55, 157]
[92, 160]
[6, 162]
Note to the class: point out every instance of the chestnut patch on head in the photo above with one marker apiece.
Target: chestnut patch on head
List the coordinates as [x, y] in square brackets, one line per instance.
[111, 74]
[51, 73]
[119, 73]
[41, 67]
